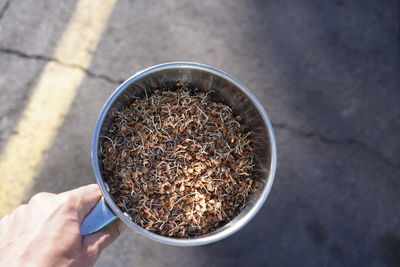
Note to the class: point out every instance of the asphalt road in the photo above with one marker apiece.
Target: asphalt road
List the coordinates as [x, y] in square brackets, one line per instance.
[327, 73]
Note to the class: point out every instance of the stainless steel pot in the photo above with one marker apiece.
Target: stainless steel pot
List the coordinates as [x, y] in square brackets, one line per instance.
[228, 90]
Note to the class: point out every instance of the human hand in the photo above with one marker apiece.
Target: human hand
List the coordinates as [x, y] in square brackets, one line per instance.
[46, 231]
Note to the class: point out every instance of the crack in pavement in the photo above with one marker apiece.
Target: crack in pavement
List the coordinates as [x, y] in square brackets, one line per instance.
[310, 134]
[4, 9]
[47, 58]
[345, 141]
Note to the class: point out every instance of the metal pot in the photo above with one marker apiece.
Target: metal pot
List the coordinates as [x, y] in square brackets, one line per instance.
[228, 90]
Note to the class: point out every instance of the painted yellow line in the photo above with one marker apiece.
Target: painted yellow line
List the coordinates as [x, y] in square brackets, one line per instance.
[50, 101]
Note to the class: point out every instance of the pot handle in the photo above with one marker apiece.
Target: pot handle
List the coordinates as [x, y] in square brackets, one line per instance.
[100, 216]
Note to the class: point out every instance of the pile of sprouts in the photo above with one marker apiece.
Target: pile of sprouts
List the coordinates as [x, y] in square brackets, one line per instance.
[178, 163]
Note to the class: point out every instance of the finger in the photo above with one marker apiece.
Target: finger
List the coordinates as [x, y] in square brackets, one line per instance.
[96, 242]
[86, 196]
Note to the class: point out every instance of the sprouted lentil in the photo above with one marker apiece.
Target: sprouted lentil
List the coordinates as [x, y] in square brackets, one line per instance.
[178, 163]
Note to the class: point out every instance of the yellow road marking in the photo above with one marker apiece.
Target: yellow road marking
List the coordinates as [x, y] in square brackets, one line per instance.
[50, 102]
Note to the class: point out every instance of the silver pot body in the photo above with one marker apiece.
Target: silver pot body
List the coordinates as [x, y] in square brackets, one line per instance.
[227, 90]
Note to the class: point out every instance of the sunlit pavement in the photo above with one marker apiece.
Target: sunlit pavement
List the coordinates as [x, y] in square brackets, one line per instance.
[327, 74]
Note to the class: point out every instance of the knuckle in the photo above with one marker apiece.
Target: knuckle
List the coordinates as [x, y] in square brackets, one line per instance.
[40, 197]
[21, 208]
[18, 213]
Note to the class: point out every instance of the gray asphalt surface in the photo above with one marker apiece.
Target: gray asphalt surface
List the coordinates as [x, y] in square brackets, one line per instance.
[327, 73]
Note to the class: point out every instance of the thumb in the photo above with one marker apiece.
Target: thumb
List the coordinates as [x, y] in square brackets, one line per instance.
[94, 243]
[86, 197]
